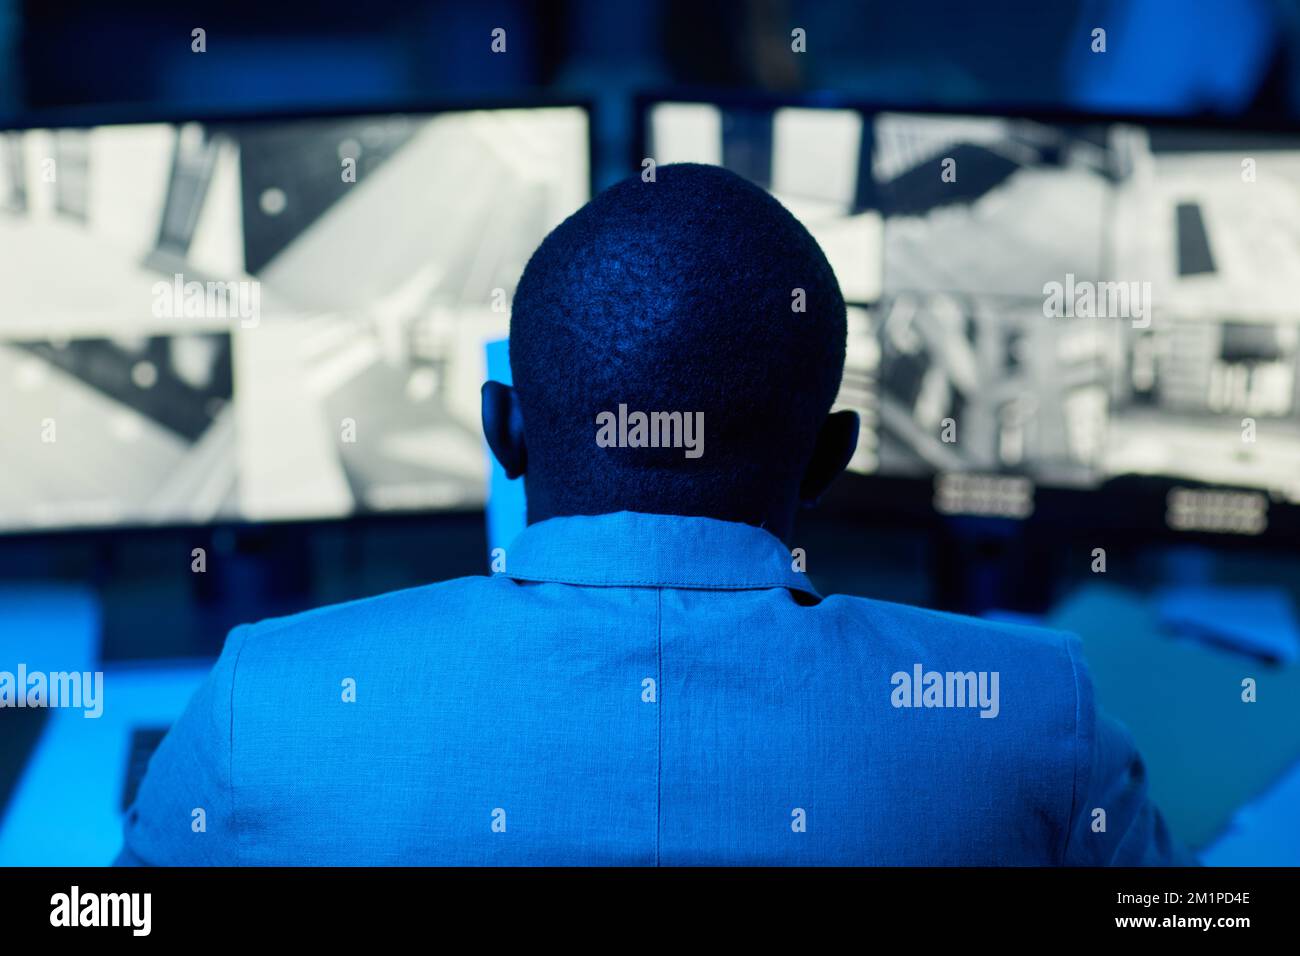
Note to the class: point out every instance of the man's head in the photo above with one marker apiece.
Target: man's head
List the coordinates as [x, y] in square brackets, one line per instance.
[695, 294]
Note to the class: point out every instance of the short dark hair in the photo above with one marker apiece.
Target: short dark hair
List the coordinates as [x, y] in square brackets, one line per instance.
[677, 294]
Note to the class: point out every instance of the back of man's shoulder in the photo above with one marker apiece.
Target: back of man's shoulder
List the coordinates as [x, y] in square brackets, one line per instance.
[944, 641]
[908, 620]
[384, 624]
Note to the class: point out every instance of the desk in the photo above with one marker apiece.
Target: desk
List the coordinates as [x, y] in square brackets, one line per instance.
[1207, 752]
[65, 807]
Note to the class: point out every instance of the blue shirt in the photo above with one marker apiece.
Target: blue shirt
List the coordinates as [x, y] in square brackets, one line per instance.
[646, 690]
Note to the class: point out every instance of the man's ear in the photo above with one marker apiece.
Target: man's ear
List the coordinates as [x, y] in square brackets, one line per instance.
[503, 427]
[836, 441]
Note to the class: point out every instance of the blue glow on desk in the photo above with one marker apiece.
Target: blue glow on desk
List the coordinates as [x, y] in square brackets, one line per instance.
[66, 809]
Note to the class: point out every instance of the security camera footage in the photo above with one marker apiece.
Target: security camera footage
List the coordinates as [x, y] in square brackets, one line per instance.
[286, 318]
[1066, 304]
[264, 319]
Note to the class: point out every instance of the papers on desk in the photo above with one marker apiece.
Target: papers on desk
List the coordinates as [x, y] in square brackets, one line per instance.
[1265, 832]
[1258, 621]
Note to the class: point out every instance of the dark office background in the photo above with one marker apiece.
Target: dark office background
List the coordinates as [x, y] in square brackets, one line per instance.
[1229, 57]
[1232, 58]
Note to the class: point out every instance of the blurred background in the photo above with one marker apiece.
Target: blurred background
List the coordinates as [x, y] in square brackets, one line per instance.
[1202, 56]
[1192, 597]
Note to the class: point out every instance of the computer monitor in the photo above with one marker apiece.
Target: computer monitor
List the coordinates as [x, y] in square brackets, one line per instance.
[263, 319]
[1093, 312]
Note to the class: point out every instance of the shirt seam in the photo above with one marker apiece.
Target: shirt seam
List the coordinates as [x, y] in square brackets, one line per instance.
[659, 718]
[230, 773]
[1074, 782]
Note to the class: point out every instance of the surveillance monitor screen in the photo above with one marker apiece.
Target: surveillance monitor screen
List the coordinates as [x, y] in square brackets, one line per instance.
[260, 320]
[1038, 304]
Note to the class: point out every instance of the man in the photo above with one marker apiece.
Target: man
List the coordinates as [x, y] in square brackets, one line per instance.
[651, 680]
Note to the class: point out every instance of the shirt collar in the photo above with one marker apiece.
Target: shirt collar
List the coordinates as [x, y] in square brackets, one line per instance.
[631, 549]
